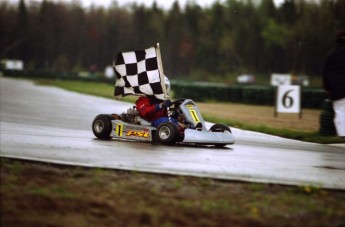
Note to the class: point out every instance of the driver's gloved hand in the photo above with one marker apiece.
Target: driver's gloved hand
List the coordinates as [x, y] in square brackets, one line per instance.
[165, 104]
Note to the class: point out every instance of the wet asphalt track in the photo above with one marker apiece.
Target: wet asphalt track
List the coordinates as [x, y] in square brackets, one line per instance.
[52, 125]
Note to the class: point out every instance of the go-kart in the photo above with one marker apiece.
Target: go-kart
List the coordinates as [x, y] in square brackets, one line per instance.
[130, 126]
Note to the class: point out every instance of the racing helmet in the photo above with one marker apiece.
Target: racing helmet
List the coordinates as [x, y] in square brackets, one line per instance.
[167, 84]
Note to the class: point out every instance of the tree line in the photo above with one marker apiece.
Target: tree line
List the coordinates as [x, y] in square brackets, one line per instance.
[228, 38]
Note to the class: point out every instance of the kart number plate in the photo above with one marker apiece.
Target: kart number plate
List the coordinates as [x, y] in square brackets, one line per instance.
[194, 115]
[119, 129]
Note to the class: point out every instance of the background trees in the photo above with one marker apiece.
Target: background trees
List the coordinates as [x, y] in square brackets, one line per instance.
[204, 43]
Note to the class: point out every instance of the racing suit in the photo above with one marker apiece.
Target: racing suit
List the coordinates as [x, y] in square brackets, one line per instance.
[150, 110]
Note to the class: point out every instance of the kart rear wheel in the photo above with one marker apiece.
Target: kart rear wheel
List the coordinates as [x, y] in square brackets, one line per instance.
[220, 128]
[168, 133]
[101, 126]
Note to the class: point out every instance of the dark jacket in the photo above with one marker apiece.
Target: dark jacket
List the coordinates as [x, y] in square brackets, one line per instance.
[334, 73]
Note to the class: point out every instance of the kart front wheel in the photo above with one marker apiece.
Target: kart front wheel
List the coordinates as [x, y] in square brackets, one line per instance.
[168, 133]
[101, 126]
[220, 128]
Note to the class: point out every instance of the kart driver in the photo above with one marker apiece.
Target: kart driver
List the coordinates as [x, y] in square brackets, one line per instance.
[155, 110]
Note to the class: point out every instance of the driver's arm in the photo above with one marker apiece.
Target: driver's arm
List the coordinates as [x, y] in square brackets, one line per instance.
[144, 106]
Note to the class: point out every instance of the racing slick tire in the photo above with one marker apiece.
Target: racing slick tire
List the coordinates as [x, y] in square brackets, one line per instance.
[168, 133]
[101, 126]
[220, 128]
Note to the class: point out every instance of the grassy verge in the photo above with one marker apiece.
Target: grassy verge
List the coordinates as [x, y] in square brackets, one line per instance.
[284, 127]
[36, 194]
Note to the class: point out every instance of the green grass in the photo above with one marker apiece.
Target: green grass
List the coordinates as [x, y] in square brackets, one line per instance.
[107, 91]
[92, 88]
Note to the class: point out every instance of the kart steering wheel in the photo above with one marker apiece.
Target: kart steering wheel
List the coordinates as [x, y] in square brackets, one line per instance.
[178, 102]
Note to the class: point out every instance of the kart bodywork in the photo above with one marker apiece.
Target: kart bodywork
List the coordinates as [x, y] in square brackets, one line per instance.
[130, 126]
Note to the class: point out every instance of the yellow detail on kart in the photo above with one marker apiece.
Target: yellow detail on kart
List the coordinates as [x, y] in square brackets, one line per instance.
[138, 134]
[118, 130]
[194, 116]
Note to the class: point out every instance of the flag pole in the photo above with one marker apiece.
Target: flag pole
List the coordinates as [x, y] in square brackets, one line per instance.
[161, 72]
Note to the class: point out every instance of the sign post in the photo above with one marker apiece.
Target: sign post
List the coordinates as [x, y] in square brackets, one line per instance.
[288, 100]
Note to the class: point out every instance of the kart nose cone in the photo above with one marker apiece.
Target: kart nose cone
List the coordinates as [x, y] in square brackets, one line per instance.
[207, 137]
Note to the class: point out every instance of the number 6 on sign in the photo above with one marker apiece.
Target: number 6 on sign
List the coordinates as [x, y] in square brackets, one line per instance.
[288, 99]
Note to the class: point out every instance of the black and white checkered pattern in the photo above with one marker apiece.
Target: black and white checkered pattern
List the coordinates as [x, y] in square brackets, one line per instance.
[137, 74]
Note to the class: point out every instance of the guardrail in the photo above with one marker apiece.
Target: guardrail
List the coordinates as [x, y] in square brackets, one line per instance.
[198, 91]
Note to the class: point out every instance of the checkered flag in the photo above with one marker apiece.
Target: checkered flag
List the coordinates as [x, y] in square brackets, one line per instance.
[138, 74]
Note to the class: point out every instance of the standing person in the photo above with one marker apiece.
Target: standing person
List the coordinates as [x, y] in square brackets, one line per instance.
[334, 81]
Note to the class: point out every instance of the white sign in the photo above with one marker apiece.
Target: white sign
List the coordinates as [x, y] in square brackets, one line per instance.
[288, 99]
[246, 79]
[13, 64]
[109, 72]
[280, 79]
